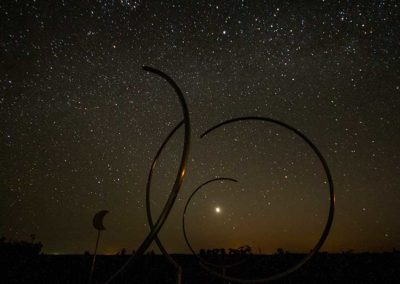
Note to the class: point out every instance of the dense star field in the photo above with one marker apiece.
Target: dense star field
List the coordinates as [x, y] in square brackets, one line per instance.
[81, 122]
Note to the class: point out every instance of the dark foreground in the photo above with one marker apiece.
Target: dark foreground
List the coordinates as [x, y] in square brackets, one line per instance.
[324, 268]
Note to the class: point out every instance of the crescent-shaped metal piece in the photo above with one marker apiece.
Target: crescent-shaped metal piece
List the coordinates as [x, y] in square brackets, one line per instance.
[328, 223]
[98, 220]
[178, 180]
[199, 258]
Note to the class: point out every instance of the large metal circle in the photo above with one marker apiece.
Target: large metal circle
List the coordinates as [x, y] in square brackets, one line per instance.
[328, 223]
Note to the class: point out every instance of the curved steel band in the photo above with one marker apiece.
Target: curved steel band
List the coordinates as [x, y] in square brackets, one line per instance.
[329, 221]
[199, 258]
[155, 227]
[148, 187]
[178, 180]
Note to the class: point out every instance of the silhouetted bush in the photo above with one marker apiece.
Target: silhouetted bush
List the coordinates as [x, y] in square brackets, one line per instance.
[12, 249]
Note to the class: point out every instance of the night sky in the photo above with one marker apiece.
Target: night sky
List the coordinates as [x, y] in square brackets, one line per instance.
[81, 122]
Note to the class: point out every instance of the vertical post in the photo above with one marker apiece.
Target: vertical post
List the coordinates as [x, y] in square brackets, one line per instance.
[179, 276]
[94, 257]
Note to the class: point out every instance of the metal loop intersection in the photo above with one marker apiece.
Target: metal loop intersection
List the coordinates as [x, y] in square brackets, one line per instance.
[156, 227]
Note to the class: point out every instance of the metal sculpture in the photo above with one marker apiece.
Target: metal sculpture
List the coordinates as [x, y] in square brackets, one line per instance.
[99, 226]
[328, 223]
[178, 180]
[148, 208]
[155, 227]
[199, 258]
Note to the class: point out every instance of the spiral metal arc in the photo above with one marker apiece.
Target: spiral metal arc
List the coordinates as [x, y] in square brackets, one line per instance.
[178, 180]
[156, 227]
[199, 258]
[148, 208]
[329, 221]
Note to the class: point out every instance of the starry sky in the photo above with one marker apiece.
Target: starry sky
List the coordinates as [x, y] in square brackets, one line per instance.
[81, 122]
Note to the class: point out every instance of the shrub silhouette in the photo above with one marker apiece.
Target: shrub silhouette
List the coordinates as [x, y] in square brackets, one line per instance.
[14, 249]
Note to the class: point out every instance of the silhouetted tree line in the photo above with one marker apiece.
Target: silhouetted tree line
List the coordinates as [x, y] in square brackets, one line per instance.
[121, 252]
[243, 250]
[23, 262]
[12, 248]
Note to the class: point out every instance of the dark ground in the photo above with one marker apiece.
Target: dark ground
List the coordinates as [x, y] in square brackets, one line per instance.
[324, 268]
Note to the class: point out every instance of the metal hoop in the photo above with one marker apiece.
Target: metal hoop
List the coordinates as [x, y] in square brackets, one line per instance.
[329, 221]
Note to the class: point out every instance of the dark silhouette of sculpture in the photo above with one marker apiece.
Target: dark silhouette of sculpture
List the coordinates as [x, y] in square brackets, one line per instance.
[246, 250]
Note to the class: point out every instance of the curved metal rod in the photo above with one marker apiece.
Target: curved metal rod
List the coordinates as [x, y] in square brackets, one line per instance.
[329, 221]
[199, 258]
[148, 187]
[178, 180]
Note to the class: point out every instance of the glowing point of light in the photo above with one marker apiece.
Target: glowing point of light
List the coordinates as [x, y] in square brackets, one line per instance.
[217, 209]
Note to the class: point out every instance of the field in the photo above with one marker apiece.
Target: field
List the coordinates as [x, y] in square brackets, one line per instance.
[324, 268]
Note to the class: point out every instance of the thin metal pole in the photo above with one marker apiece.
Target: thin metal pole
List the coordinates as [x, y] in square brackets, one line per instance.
[179, 275]
[94, 257]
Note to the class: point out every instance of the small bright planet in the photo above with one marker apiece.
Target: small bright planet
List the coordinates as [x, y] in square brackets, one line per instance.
[217, 210]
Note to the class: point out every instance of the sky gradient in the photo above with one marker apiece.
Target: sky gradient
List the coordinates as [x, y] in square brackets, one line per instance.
[81, 122]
